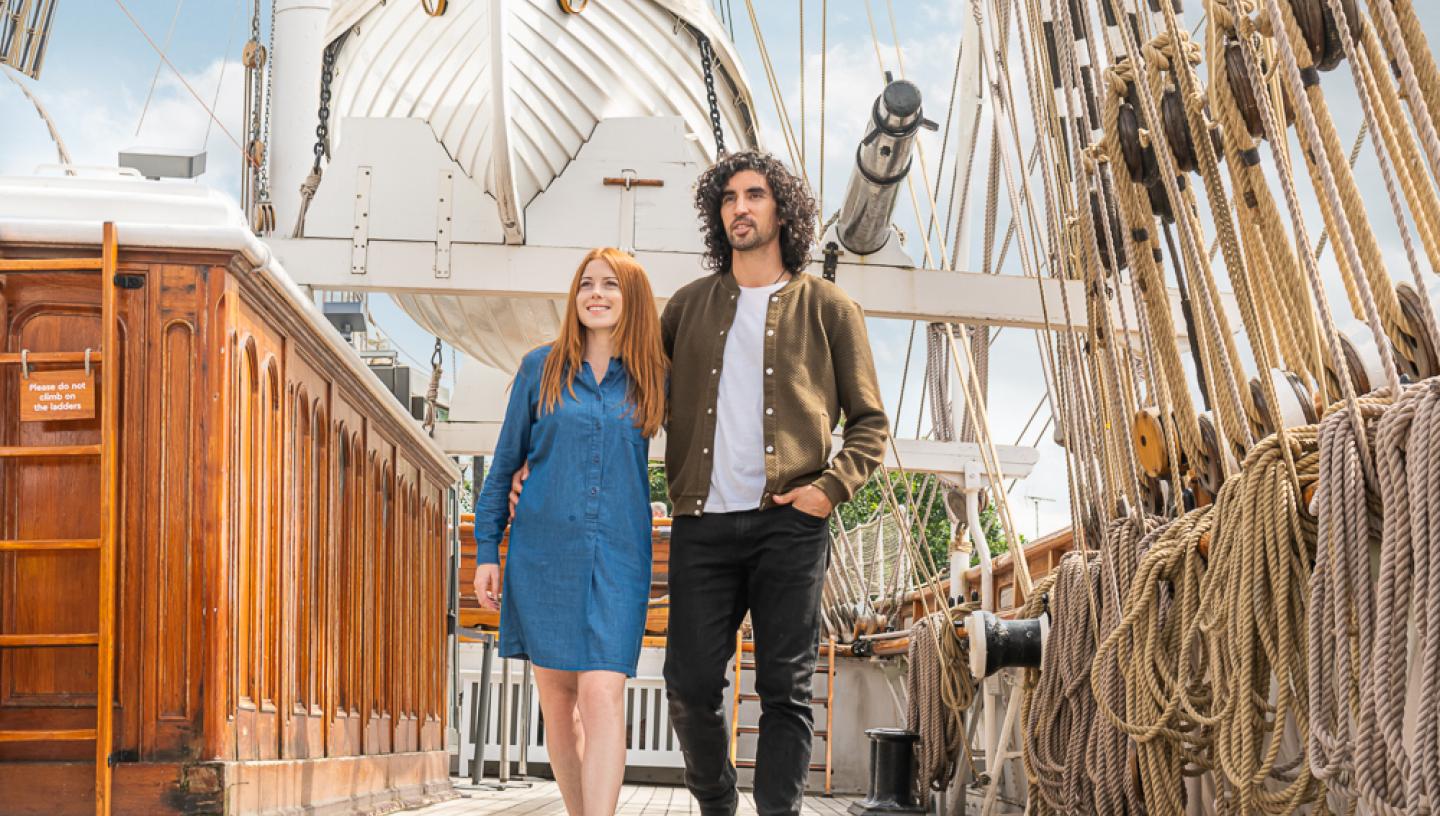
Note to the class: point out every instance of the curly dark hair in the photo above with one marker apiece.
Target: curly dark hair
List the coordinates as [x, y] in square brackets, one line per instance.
[794, 208]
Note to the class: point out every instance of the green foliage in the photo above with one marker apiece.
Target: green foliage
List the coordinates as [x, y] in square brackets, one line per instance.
[909, 489]
[659, 490]
[915, 487]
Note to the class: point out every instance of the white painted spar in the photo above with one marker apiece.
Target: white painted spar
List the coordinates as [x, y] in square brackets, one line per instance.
[478, 438]
[294, 102]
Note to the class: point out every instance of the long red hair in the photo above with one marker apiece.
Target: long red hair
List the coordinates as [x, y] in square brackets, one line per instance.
[637, 343]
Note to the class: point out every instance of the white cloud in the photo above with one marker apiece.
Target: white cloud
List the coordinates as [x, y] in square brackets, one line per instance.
[99, 119]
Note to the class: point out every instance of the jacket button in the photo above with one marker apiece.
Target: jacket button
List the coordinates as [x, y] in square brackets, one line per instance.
[769, 448]
[769, 371]
[774, 298]
[706, 451]
[769, 411]
[769, 332]
[709, 410]
[714, 371]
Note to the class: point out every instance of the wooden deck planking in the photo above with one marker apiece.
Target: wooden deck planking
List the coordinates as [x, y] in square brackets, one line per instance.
[542, 798]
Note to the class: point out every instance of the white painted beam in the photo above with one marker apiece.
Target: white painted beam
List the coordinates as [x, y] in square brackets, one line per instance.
[889, 291]
[916, 455]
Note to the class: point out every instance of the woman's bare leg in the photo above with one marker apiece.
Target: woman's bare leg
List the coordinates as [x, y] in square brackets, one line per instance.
[564, 734]
[602, 711]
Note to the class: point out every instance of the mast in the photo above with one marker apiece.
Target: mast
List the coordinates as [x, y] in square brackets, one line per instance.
[299, 45]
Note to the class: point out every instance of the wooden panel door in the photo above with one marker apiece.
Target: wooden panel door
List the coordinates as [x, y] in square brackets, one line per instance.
[53, 591]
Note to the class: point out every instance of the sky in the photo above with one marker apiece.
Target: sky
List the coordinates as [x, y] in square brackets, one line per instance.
[106, 90]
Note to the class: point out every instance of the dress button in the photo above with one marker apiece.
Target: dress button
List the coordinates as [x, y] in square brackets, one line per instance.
[769, 371]
[769, 448]
[594, 490]
[596, 460]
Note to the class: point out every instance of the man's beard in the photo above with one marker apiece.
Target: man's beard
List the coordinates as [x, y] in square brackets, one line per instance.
[754, 240]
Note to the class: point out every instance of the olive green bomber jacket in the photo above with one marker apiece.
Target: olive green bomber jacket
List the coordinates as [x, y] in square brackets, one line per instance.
[818, 367]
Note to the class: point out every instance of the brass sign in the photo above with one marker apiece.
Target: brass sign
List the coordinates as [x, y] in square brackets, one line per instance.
[57, 395]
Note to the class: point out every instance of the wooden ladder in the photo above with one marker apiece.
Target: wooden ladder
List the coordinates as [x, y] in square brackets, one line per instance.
[745, 662]
[106, 453]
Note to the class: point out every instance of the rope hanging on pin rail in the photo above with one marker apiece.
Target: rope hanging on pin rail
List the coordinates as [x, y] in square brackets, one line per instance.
[432, 392]
[434, 8]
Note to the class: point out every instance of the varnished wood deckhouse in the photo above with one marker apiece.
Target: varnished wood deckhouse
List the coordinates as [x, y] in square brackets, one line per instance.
[239, 549]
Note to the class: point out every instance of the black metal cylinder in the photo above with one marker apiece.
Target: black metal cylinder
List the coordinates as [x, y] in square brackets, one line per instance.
[892, 771]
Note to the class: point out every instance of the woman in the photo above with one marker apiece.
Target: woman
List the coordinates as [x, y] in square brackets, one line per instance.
[577, 577]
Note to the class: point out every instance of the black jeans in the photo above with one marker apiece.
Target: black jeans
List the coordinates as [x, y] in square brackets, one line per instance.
[771, 563]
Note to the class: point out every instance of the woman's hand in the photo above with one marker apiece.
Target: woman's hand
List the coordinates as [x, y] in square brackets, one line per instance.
[487, 585]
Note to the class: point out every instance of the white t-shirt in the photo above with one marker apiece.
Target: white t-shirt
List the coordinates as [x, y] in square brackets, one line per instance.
[737, 478]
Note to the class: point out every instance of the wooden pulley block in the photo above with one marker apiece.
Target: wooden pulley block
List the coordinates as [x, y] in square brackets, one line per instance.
[264, 220]
[255, 152]
[1139, 159]
[1245, 95]
[1321, 31]
[1160, 200]
[1154, 496]
[1117, 239]
[1424, 361]
[1177, 131]
[1147, 436]
[1198, 497]
[1297, 404]
[1363, 361]
[1209, 471]
[253, 57]
[1334, 47]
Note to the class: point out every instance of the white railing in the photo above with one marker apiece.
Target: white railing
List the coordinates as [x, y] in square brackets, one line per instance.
[650, 741]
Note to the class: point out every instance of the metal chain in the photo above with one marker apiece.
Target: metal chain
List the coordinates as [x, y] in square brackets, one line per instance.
[706, 56]
[254, 61]
[264, 184]
[327, 76]
[255, 64]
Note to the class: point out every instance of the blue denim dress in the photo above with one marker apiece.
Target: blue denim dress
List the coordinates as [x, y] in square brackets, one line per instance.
[577, 575]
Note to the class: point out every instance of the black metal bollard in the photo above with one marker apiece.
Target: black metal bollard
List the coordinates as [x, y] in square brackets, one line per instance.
[892, 771]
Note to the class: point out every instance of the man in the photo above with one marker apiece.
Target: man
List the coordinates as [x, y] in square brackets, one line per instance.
[765, 362]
